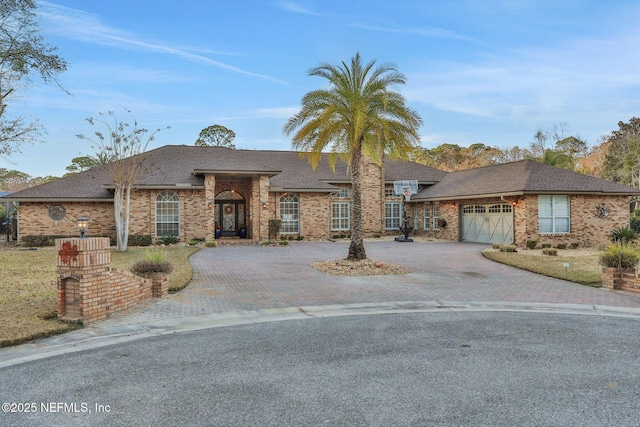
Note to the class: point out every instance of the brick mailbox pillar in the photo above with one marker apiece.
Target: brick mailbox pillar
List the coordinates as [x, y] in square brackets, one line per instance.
[82, 264]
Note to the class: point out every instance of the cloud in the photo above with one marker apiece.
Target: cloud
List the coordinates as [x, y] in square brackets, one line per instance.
[290, 6]
[88, 27]
[532, 83]
[424, 32]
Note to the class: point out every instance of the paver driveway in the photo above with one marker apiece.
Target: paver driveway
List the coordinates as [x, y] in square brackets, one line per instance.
[235, 278]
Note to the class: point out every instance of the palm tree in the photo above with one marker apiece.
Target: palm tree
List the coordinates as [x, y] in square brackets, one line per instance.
[358, 115]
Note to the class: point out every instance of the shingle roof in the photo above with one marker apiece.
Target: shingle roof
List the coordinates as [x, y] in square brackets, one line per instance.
[183, 166]
[525, 176]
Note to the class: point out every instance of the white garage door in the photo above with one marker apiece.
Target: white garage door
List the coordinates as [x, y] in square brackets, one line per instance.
[487, 223]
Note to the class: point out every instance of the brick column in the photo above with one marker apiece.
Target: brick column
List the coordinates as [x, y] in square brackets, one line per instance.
[210, 195]
[80, 264]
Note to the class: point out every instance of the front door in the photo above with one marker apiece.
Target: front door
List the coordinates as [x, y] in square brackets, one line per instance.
[230, 216]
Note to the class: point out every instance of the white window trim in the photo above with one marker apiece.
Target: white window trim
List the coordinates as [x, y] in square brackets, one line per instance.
[426, 222]
[291, 211]
[165, 202]
[340, 219]
[553, 216]
[393, 218]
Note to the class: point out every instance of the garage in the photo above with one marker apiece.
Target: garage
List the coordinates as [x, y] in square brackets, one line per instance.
[487, 223]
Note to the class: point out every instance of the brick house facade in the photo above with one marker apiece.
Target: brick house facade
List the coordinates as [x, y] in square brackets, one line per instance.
[200, 189]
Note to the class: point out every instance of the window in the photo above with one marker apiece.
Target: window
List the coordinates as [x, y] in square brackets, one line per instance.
[480, 209]
[392, 215]
[427, 216]
[435, 213]
[289, 214]
[340, 219]
[432, 215]
[167, 214]
[495, 209]
[342, 194]
[553, 214]
[389, 193]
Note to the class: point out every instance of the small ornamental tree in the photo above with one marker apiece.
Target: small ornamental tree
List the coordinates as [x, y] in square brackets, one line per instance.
[124, 145]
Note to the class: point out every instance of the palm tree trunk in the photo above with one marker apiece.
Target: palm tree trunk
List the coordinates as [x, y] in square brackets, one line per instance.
[356, 248]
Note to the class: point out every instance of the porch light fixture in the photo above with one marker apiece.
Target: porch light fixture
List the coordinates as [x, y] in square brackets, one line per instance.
[210, 205]
[82, 226]
[265, 205]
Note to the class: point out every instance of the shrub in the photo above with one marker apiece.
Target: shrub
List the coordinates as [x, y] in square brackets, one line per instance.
[194, 242]
[300, 238]
[546, 245]
[211, 244]
[155, 255]
[561, 246]
[619, 255]
[139, 240]
[635, 223]
[574, 245]
[35, 241]
[146, 266]
[623, 235]
[508, 248]
[531, 244]
[283, 243]
[169, 240]
[155, 262]
[550, 252]
[496, 245]
[274, 228]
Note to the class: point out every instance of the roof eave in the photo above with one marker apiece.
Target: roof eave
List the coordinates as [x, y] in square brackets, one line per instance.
[58, 200]
[235, 172]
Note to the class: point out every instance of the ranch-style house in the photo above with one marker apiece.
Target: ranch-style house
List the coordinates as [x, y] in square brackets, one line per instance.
[216, 192]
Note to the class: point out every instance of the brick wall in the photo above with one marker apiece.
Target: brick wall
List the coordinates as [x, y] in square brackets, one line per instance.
[89, 289]
[625, 280]
[33, 219]
[197, 220]
[315, 214]
[372, 198]
[587, 229]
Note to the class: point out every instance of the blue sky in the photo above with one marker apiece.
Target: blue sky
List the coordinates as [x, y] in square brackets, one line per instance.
[488, 71]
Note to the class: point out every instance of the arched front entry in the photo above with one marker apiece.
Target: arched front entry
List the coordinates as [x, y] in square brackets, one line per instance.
[230, 213]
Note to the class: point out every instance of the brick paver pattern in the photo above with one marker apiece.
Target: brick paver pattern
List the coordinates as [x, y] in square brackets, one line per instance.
[238, 278]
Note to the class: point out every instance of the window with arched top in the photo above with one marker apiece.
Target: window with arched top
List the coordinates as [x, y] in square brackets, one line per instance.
[289, 214]
[167, 214]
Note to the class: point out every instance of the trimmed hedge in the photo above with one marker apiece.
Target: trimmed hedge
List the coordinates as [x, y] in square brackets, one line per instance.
[140, 240]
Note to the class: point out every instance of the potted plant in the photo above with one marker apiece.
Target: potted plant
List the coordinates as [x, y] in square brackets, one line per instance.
[242, 232]
[218, 232]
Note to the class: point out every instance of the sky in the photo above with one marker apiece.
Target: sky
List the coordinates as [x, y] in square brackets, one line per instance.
[491, 71]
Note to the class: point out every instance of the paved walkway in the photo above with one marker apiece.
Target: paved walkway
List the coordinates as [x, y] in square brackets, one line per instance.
[235, 284]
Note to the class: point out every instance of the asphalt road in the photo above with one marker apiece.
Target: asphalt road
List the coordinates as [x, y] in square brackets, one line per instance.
[421, 369]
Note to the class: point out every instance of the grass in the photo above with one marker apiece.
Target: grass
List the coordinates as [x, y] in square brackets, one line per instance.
[583, 267]
[28, 291]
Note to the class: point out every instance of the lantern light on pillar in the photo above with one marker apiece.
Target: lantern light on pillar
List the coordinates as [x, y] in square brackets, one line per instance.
[82, 226]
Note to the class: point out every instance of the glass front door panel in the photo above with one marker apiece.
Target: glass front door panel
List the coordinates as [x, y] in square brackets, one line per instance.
[228, 217]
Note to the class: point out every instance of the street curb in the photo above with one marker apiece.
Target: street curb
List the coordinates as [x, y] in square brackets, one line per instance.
[94, 336]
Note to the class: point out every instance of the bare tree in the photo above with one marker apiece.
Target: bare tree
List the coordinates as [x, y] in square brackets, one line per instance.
[124, 145]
